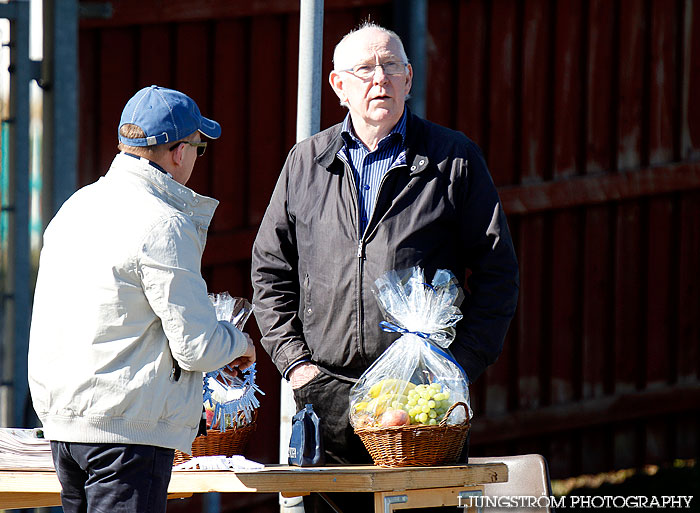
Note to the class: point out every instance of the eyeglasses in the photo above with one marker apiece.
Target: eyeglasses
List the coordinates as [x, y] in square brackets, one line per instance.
[366, 71]
[201, 146]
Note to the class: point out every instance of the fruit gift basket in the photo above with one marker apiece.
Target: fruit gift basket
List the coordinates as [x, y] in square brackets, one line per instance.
[230, 404]
[411, 406]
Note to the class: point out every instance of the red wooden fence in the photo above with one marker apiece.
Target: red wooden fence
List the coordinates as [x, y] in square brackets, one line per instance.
[587, 116]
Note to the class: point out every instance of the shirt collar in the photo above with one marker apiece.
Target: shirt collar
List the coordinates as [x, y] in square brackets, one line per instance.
[347, 131]
[149, 162]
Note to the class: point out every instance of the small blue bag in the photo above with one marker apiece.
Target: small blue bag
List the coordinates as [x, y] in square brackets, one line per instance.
[306, 442]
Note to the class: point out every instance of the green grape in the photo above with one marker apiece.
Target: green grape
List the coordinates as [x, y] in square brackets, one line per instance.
[431, 403]
[423, 417]
[426, 408]
[432, 414]
[432, 422]
[422, 401]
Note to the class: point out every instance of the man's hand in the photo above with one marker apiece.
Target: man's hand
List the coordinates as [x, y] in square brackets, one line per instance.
[302, 374]
[242, 362]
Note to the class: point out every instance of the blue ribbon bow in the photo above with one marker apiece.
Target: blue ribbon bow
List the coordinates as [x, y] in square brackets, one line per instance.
[395, 328]
[427, 337]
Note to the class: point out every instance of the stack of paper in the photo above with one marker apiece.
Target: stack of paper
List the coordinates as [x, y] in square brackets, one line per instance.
[24, 449]
[236, 463]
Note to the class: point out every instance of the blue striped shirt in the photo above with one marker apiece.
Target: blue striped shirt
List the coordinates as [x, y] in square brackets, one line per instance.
[369, 167]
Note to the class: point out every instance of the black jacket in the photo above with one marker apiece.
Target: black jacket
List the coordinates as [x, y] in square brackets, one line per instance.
[313, 275]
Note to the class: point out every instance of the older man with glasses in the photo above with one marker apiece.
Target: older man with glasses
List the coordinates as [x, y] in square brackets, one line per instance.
[382, 190]
[123, 327]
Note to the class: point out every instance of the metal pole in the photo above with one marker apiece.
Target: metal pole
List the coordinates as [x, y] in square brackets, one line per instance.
[16, 293]
[308, 123]
[60, 102]
[310, 53]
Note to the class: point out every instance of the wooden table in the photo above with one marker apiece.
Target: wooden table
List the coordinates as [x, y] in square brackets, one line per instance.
[393, 488]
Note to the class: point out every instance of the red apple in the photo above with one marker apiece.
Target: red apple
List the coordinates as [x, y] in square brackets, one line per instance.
[394, 418]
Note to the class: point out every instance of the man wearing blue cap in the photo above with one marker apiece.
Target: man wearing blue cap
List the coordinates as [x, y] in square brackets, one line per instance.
[122, 325]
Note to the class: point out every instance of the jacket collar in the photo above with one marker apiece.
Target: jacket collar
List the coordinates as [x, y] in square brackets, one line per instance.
[197, 206]
[415, 145]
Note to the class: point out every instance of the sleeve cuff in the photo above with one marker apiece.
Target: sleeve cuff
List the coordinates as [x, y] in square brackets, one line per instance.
[285, 375]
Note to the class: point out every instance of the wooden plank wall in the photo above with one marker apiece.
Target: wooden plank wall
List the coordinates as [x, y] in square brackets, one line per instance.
[586, 114]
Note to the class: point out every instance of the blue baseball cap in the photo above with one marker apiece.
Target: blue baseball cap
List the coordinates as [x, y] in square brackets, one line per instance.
[165, 115]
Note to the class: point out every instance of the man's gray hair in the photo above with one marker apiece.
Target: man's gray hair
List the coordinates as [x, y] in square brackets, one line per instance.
[369, 25]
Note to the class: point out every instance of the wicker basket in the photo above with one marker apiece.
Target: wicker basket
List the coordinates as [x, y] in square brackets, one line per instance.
[220, 443]
[420, 446]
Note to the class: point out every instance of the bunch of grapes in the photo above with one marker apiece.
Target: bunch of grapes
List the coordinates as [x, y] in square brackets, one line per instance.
[427, 404]
[392, 402]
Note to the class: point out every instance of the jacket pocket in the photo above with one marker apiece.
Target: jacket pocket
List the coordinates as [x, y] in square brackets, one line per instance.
[308, 310]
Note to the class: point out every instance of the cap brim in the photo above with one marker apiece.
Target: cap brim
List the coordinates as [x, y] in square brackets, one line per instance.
[210, 128]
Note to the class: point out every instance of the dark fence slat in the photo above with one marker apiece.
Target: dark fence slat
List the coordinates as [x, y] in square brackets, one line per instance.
[116, 85]
[688, 353]
[290, 82]
[564, 318]
[660, 285]
[502, 100]
[629, 337]
[663, 69]
[597, 320]
[441, 54]
[597, 312]
[564, 324]
[630, 290]
[472, 72]
[89, 103]
[690, 108]
[600, 103]
[531, 306]
[567, 135]
[154, 56]
[687, 440]
[535, 130]
[631, 85]
[230, 153]
[265, 108]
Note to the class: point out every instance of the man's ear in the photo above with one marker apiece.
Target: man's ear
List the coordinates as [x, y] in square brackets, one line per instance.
[178, 154]
[409, 79]
[336, 81]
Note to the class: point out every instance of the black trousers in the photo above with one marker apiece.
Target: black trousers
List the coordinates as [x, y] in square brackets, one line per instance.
[330, 398]
[112, 478]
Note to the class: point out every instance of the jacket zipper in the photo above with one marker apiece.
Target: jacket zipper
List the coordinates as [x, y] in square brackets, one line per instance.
[361, 254]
